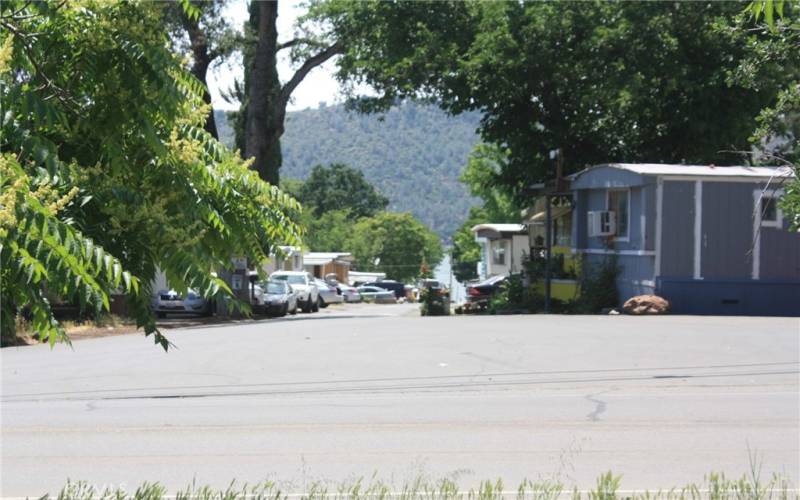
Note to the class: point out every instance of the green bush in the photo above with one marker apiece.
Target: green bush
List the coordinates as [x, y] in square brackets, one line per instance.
[515, 296]
[434, 302]
[598, 288]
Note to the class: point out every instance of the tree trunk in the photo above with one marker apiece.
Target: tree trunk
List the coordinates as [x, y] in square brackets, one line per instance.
[211, 123]
[266, 109]
[202, 61]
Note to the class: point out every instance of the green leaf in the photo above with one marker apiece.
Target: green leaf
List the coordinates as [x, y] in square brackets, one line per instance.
[768, 17]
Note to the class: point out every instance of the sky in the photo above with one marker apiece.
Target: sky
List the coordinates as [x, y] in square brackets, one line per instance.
[318, 86]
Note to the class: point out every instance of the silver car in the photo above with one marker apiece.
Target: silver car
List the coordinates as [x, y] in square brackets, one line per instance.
[274, 298]
[171, 302]
[377, 295]
[328, 293]
[350, 293]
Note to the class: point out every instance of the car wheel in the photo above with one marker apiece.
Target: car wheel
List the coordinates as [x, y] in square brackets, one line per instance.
[306, 306]
[315, 305]
[321, 303]
[285, 310]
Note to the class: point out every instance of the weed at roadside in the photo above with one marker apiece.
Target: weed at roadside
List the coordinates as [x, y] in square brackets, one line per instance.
[608, 487]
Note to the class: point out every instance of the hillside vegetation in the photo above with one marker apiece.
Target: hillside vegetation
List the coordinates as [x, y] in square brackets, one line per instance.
[413, 154]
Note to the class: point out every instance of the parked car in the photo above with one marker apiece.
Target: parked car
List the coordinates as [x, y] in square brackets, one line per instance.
[304, 285]
[350, 293]
[430, 283]
[328, 294]
[274, 298]
[377, 294]
[399, 289]
[171, 302]
[478, 294]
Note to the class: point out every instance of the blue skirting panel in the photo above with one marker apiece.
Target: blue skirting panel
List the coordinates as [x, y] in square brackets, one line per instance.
[737, 298]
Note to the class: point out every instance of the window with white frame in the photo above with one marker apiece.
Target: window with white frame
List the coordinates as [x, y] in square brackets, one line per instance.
[499, 253]
[771, 215]
[619, 201]
[562, 230]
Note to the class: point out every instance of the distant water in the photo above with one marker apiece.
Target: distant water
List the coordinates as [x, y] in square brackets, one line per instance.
[444, 274]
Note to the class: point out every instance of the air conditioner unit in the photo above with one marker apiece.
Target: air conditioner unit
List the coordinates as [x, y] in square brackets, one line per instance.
[602, 223]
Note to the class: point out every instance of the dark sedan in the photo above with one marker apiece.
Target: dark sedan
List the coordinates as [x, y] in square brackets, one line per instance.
[478, 294]
[399, 289]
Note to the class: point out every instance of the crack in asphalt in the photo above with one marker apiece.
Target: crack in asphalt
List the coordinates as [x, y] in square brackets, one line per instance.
[600, 407]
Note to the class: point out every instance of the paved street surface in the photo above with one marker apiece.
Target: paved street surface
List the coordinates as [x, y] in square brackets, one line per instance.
[364, 389]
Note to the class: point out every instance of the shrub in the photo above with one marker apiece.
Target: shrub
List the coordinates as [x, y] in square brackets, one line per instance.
[515, 296]
[435, 302]
[598, 288]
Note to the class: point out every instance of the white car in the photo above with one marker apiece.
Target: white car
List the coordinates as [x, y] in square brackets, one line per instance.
[304, 286]
[328, 293]
[170, 301]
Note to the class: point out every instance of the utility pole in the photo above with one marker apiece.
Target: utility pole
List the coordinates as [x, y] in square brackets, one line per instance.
[547, 251]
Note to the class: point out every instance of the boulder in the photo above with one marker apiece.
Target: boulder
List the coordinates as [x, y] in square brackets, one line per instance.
[646, 304]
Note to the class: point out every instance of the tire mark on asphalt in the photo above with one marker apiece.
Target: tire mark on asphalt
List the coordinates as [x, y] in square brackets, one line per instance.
[419, 379]
[471, 383]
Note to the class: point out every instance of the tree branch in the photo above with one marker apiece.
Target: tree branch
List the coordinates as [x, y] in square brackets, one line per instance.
[18, 11]
[296, 41]
[60, 93]
[310, 63]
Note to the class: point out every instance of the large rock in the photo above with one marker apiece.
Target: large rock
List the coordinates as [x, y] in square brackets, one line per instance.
[646, 304]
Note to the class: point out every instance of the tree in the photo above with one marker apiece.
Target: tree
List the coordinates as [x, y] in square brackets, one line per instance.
[339, 187]
[107, 174]
[330, 232]
[775, 49]
[596, 81]
[264, 98]
[395, 243]
[211, 39]
[483, 165]
[485, 162]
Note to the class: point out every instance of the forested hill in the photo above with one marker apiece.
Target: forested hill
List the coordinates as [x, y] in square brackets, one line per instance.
[413, 155]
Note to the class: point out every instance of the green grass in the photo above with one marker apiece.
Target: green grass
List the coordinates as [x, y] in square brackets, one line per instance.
[715, 486]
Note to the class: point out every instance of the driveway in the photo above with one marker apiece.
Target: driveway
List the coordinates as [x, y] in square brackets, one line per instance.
[363, 390]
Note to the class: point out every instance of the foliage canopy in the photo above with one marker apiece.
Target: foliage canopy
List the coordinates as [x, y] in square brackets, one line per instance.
[339, 187]
[594, 81]
[107, 173]
[395, 243]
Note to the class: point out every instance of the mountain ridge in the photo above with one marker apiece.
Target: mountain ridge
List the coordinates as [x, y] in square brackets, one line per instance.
[412, 153]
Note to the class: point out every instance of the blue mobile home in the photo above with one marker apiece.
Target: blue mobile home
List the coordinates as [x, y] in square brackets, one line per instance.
[711, 240]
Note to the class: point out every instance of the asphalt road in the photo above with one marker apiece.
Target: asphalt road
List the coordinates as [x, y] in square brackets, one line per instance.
[362, 390]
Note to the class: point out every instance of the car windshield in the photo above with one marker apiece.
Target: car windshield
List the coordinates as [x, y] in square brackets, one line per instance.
[276, 287]
[294, 279]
